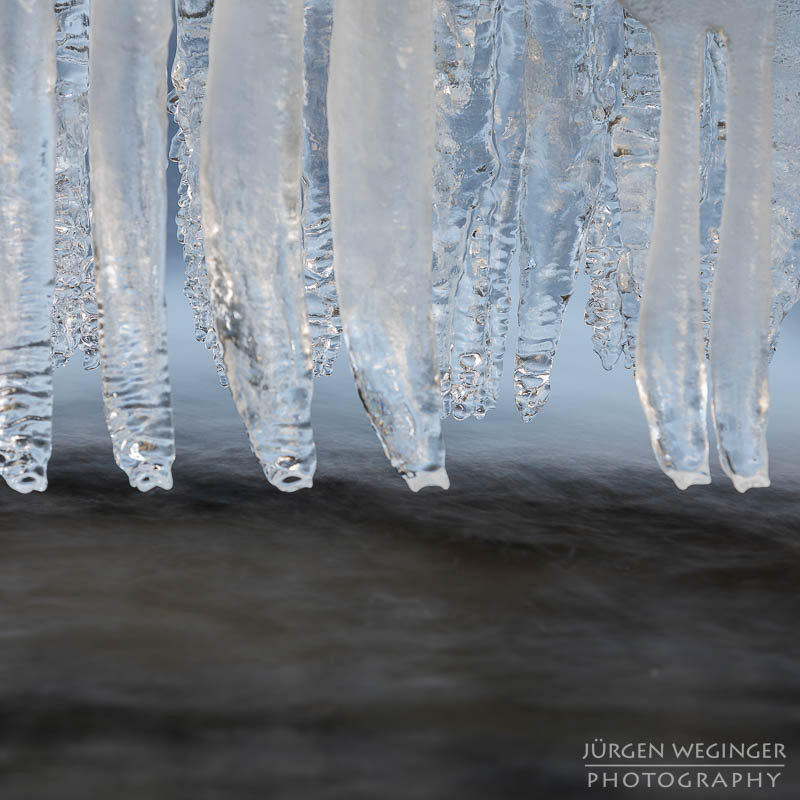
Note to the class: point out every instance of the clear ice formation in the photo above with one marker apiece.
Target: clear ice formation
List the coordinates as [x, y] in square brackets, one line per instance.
[480, 122]
[27, 153]
[322, 300]
[127, 106]
[562, 177]
[251, 214]
[74, 303]
[382, 140]
[189, 73]
[670, 363]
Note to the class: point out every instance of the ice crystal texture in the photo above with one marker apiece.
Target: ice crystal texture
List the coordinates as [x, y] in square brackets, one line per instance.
[251, 214]
[189, 72]
[321, 298]
[479, 48]
[74, 302]
[127, 105]
[382, 138]
[27, 151]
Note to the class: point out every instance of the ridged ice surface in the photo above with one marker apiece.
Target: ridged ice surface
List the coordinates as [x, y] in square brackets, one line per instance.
[480, 123]
[785, 163]
[604, 246]
[27, 148]
[382, 139]
[321, 299]
[127, 99]
[189, 73]
[74, 302]
[563, 163]
[250, 182]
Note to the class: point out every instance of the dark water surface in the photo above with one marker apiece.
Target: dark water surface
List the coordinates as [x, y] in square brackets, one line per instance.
[358, 641]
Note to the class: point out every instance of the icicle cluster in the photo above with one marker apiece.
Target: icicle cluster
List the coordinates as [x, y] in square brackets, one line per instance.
[423, 150]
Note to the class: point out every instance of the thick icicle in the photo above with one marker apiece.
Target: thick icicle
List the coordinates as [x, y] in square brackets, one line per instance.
[74, 303]
[670, 360]
[604, 247]
[785, 164]
[189, 73]
[321, 298]
[27, 145]
[382, 132]
[742, 290]
[562, 175]
[127, 99]
[250, 185]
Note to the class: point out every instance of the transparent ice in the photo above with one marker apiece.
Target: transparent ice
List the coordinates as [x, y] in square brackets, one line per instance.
[74, 302]
[127, 106]
[27, 152]
[382, 138]
[251, 217]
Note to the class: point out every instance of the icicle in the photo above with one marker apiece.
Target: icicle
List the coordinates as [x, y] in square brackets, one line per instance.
[509, 139]
[127, 97]
[381, 112]
[27, 144]
[321, 298]
[634, 144]
[189, 73]
[604, 247]
[494, 121]
[562, 175]
[742, 291]
[74, 325]
[464, 36]
[250, 184]
[785, 164]
[713, 133]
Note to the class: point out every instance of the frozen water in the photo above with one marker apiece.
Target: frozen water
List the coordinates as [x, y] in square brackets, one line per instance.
[189, 73]
[250, 186]
[27, 150]
[127, 106]
[382, 138]
[74, 302]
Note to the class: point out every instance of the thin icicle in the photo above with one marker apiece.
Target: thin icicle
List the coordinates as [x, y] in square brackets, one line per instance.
[604, 247]
[27, 150]
[189, 74]
[785, 164]
[250, 182]
[127, 100]
[465, 161]
[634, 144]
[382, 137]
[321, 298]
[74, 325]
[713, 134]
[562, 176]
[509, 139]
[742, 290]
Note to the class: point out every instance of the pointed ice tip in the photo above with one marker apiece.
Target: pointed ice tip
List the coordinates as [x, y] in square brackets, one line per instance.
[684, 479]
[26, 482]
[421, 480]
[145, 477]
[744, 482]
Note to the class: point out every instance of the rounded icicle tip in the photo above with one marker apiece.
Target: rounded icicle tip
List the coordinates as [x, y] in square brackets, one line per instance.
[425, 478]
[147, 476]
